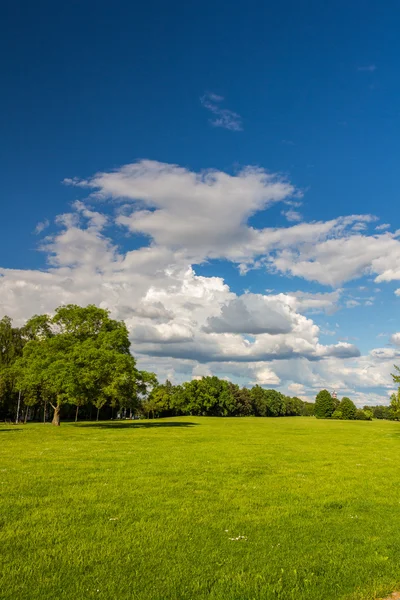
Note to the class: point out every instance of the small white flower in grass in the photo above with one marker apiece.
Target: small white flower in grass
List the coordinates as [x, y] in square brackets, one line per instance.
[113, 519]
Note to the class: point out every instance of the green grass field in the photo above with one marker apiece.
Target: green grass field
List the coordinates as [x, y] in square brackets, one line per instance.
[148, 510]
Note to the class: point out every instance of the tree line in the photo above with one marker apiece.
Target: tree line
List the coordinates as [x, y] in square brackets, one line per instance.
[329, 407]
[77, 363]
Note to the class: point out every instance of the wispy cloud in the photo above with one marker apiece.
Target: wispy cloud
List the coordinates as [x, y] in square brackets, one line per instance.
[223, 117]
[292, 215]
[288, 143]
[367, 68]
[41, 226]
[382, 227]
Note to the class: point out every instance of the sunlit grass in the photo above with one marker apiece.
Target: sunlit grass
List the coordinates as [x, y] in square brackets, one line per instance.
[153, 510]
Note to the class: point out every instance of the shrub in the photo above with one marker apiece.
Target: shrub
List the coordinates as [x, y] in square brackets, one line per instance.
[337, 414]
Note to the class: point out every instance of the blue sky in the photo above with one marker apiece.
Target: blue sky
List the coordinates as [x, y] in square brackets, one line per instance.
[307, 93]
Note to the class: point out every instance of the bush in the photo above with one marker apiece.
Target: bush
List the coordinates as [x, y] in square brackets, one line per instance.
[337, 414]
[361, 415]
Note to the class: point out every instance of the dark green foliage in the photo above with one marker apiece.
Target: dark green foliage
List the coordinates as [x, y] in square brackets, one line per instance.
[381, 412]
[324, 405]
[308, 409]
[347, 408]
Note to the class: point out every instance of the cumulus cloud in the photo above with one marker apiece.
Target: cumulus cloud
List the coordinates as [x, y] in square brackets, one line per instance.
[317, 302]
[253, 314]
[395, 339]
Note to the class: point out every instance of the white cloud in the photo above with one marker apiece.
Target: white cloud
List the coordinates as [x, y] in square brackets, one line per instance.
[382, 227]
[41, 226]
[352, 303]
[397, 292]
[223, 117]
[292, 215]
[317, 302]
[204, 215]
[395, 339]
[266, 377]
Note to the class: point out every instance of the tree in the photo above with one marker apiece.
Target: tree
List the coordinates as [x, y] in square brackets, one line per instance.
[293, 406]
[395, 405]
[259, 400]
[347, 408]
[324, 405]
[79, 355]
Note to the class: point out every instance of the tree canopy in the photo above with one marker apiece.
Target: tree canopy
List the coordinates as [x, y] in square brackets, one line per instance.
[79, 355]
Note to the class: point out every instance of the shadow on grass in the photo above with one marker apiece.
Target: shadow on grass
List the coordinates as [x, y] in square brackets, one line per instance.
[11, 429]
[135, 424]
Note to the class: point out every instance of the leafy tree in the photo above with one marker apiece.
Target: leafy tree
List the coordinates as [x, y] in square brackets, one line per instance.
[324, 405]
[79, 355]
[275, 403]
[259, 400]
[241, 399]
[347, 408]
[293, 406]
[395, 405]
[368, 413]
[380, 412]
[308, 409]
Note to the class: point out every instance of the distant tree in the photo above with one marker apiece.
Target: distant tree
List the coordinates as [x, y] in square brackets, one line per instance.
[275, 403]
[395, 405]
[293, 406]
[243, 405]
[368, 413]
[308, 409]
[380, 412]
[324, 406]
[259, 400]
[347, 408]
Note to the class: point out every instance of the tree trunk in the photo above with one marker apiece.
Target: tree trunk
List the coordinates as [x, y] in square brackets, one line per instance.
[19, 402]
[44, 412]
[56, 416]
[76, 413]
[97, 417]
[26, 415]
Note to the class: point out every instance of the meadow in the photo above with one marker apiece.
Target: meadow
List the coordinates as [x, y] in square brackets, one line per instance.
[194, 508]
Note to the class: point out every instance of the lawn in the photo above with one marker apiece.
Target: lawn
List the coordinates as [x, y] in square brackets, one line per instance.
[196, 508]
